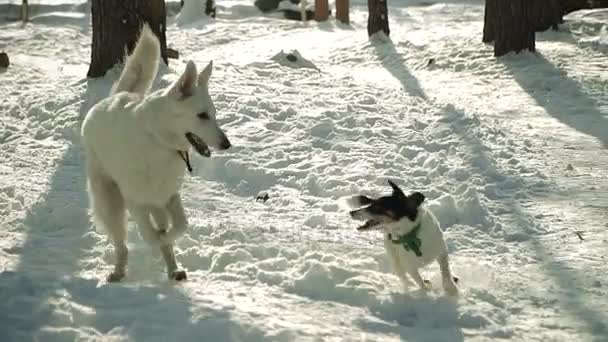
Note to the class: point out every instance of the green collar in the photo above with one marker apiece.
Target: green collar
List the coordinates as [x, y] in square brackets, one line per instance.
[410, 241]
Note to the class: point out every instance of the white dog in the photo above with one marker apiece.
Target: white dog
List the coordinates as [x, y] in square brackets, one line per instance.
[412, 236]
[136, 145]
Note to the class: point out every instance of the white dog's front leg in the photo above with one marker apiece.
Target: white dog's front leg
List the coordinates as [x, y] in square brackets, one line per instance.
[179, 222]
[141, 215]
[449, 285]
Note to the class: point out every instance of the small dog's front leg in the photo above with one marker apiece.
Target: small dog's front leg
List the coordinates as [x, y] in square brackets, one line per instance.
[449, 282]
[397, 265]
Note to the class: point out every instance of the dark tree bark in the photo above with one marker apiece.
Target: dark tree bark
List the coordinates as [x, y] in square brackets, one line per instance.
[342, 11]
[210, 8]
[489, 21]
[377, 19]
[513, 29]
[116, 27]
[545, 14]
[569, 6]
[321, 10]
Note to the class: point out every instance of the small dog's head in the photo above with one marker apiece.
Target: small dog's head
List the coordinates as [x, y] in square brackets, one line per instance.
[185, 114]
[378, 212]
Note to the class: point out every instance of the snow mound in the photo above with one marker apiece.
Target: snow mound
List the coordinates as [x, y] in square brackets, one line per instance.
[293, 59]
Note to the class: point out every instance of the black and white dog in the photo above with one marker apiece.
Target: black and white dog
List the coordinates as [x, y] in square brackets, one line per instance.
[412, 236]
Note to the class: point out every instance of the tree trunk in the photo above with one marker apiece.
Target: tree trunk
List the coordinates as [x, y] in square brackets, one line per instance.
[116, 27]
[377, 19]
[210, 8]
[569, 6]
[321, 10]
[545, 14]
[489, 21]
[514, 30]
[342, 9]
[25, 11]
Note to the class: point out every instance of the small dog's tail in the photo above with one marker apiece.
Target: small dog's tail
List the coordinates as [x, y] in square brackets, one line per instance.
[353, 202]
[141, 66]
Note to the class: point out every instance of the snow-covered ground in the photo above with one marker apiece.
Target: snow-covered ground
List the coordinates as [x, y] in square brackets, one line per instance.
[510, 152]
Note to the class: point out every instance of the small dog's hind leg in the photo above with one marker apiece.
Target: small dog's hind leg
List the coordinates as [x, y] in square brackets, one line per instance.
[422, 283]
[449, 281]
[109, 211]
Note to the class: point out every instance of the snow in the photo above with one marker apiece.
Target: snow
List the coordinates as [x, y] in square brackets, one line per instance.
[509, 152]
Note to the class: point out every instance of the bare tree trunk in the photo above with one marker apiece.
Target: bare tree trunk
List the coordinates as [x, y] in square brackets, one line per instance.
[377, 19]
[514, 30]
[321, 10]
[116, 27]
[25, 11]
[342, 9]
[489, 21]
[545, 14]
[210, 8]
[569, 6]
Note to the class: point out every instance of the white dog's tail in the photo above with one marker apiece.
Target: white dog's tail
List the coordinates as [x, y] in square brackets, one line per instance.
[141, 66]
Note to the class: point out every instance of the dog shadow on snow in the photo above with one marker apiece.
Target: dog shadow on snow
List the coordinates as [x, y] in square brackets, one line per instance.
[415, 318]
[60, 245]
[524, 229]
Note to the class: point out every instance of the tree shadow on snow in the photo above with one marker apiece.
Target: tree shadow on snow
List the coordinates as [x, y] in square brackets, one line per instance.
[58, 235]
[562, 97]
[394, 63]
[527, 231]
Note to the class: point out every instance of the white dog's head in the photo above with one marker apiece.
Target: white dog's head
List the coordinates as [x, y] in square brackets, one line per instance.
[184, 114]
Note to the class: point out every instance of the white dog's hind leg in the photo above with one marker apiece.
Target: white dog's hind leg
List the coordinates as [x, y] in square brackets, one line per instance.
[109, 211]
[449, 285]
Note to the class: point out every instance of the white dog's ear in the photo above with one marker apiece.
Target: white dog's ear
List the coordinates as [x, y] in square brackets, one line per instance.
[205, 75]
[185, 85]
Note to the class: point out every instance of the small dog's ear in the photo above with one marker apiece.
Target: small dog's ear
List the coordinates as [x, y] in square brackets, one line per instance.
[417, 198]
[205, 75]
[396, 190]
[184, 86]
[364, 200]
